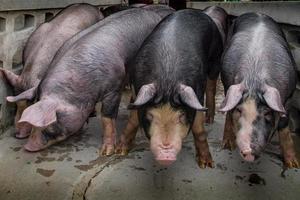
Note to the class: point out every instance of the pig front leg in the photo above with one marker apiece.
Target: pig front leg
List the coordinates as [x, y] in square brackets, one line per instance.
[210, 100]
[202, 148]
[128, 135]
[228, 136]
[22, 131]
[109, 136]
[287, 144]
[110, 105]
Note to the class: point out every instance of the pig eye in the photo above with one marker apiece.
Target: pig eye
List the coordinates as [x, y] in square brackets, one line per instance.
[268, 115]
[149, 116]
[239, 110]
[182, 118]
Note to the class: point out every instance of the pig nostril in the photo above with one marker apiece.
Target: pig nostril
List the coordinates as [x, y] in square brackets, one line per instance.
[166, 146]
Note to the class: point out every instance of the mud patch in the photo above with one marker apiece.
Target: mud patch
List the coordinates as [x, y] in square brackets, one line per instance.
[45, 172]
[44, 159]
[16, 149]
[63, 157]
[100, 160]
[256, 179]
[138, 168]
[187, 181]
[221, 166]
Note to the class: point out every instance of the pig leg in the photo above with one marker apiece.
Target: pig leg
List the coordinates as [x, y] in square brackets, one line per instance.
[228, 136]
[210, 100]
[109, 136]
[202, 148]
[109, 110]
[287, 145]
[22, 131]
[128, 135]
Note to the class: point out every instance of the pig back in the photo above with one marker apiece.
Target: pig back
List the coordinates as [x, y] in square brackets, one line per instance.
[257, 53]
[50, 36]
[94, 63]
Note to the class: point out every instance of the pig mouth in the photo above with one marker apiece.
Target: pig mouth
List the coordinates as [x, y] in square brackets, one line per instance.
[248, 155]
[166, 157]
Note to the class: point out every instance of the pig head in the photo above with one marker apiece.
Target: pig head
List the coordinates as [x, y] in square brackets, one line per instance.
[52, 120]
[166, 125]
[254, 116]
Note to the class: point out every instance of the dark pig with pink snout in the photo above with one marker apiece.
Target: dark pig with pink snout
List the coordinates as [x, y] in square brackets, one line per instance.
[258, 73]
[89, 68]
[168, 76]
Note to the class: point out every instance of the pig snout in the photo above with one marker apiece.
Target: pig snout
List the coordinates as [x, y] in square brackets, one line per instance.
[247, 155]
[166, 156]
[252, 153]
[244, 144]
[164, 153]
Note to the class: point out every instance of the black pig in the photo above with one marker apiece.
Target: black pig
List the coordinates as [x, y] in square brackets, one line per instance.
[259, 76]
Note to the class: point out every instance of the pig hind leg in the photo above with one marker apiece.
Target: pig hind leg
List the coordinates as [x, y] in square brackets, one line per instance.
[286, 144]
[128, 135]
[210, 100]
[228, 136]
[202, 148]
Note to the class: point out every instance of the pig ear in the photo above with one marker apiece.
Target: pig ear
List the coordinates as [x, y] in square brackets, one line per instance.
[188, 96]
[40, 114]
[272, 98]
[233, 97]
[13, 79]
[27, 95]
[146, 93]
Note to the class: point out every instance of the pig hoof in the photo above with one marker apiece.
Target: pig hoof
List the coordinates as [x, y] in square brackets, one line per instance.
[228, 144]
[107, 150]
[204, 162]
[122, 150]
[292, 163]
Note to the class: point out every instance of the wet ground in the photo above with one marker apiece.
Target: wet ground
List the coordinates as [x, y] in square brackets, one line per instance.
[74, 170]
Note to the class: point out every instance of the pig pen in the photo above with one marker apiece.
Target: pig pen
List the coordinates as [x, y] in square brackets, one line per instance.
[73, 169]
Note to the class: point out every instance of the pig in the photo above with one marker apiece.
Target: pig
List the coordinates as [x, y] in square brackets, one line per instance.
[221, 19]
[113, 9]
[168, 76]
[162, 10]
[40, 49]
[259, 77]
[88, 68]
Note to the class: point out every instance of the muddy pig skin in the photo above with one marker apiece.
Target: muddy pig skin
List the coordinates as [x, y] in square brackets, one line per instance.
[40, 49]
[258, 73]
[89, 68]
[169, 76]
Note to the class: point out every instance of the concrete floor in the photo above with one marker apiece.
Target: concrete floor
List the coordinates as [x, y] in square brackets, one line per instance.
[74, 170]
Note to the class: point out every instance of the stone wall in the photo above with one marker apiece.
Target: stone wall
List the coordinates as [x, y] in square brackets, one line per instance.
[288, 15]
[18, 19]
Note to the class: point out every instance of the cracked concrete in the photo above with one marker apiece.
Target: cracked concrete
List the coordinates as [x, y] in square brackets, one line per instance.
[74, 170]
